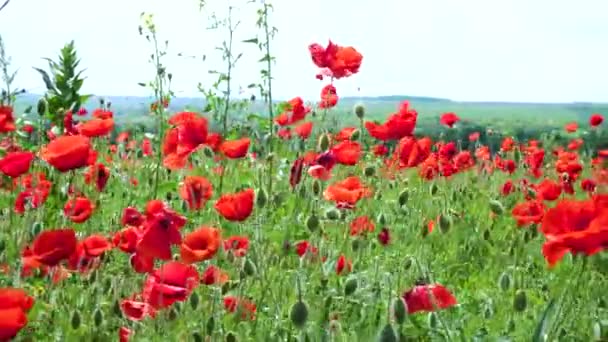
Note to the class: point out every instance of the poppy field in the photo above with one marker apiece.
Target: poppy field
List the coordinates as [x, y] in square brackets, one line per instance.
[297, 227]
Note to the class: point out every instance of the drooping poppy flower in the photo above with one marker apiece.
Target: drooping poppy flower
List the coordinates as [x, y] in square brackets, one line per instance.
[235, 149]
[96, 127]
[384, 237]
[172, 282]
[97, 174]
[67, 153]
[245, 307]
[507, 188]
[237, 245]
[337, 60]
[200, 245]
[15, 164]
[548, 190]
[449, 119]
[161, 231]
[295, 172]
[136, 310]
[428, 298]
[124, 334]
[588, 185]
[52, 246]
[343, 265]
[528, 212]
[595, 120]
[329, 97]
[304, 130]
[7, 122]
[214, 276]
[237, 206]
[78, 209]
[196, 191]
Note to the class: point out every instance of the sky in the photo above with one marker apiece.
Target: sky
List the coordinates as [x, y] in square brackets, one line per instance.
[466, 50]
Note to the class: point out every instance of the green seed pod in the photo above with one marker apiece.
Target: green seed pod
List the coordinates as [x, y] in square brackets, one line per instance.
[350, 286]
[302, 192]
[355, 135]
[312, 222]
[261, 198]
[194, 300]
[520, 302]
[116, 309]
[97, 317]
[381, 219]
[323, 142]
[208, 152]
[356, 244]
[432, 321]
[378, 196]
[332, 214]
[445, 223]
[497, 207]
[399, 308]
[404, 196]
[299, 314]
[504, 281]
[488, 313]
[42, 106]
[486, 235]
[316, 187]
[249, 267]
[2, 245]
[36, 228]
[75, 321]
[407, 264]
[369, 171]
[210, 325]
[511, 325]
[172, 315]
[196, 337]
[359, 110]
[231, 337]
[387, 334]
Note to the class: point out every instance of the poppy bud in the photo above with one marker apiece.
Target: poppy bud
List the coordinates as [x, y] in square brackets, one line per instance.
[270, 157]
[261, 198]
[404, 196]
[302, 192]
[378, 196]
[75, 321]
[381, 219]
[445, 223]
[312, 222]
[194, 300]
[316, 187]
[208, 152]
[497, 207]
[98, 317]
[520, 302]
[42, 105]
[432, 321]
[196, 337]
[387, 334]
[511, 325]
[350, 286]
[36, 228]
[210, 325]
[355, 135]
[408, 263]
[369, 171]
[486, 235]
[323, 142]
[359, 110]
[299, 314]
[116, 309]
[433, 189]
[172, 314]
[399, 309]
[356, 244]
[231, 337]
[487, 313]
[504, 281]
[332, 214]
[2, 246]
[249, 267]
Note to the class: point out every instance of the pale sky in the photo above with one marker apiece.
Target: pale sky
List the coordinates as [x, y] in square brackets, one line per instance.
[486, 50]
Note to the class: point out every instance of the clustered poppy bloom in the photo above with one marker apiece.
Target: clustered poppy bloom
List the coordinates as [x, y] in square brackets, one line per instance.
[428, 298]
[336, 61]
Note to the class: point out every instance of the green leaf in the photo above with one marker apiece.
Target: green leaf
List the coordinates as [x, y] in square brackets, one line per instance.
[47, 80]
[541, 327]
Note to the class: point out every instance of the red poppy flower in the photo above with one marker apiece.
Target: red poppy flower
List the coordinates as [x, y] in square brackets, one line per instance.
[172, 282]
[161, 230]
[428, 298]
[235, 149]
[196, 191]
[200, 245]
[101, 114]
[329, 97]
[136, 310]
[237, 245]
[237, 206]
[343, 265]
[96, 127]
[347, 152]
[507, 188]
[344, 133]
[596, 120]
[124, 334]
[97, 174]
[397, 126]
[7, 122]
[380, 150]
[295, 111]
[361, 225]
[588, 185]
[15, 164]
[304, 248]
[67, 153]
[474, 136]
[52, 246]
[348, 191]
[529, 212]
[243, 306]
[15, 298]
[304, 130]
[548, 190]
[449, 119]
[384, 237]
[12, 320]
[78, 209]
[339, 61]
[214, 276]
[571, 127]
[295, 173]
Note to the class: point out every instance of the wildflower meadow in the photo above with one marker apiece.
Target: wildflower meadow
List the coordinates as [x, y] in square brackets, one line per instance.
[294, 222]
